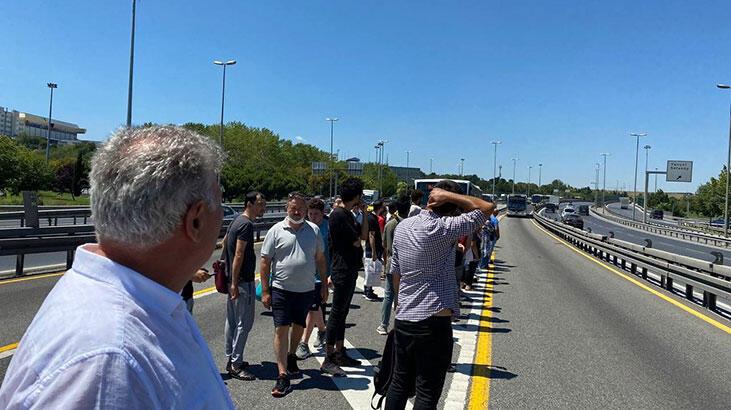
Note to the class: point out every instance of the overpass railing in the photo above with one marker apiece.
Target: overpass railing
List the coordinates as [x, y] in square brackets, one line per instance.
[666, 230]
[22, 241]
[697, 280]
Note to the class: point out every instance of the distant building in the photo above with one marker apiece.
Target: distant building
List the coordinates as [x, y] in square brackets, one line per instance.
[14, 123]
[408, 174]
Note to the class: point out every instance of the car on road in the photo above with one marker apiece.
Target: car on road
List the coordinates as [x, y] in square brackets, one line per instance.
[657, 214]
[569, 210]
[583, 210]
[551, 208]
[574, 220]
[229, 214]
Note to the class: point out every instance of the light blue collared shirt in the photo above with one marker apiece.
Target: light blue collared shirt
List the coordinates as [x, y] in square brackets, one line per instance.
[109, 337]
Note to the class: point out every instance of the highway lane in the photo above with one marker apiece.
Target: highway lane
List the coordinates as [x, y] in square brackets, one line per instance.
[690, 249]
[20, 300]
[572, 334]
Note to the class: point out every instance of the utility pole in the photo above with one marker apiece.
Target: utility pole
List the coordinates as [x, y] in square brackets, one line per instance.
[131, 64]
[515, 160]
[431, 160]
[52, 86]
[540, 168]
[596, 185]
[494, 165]
[332, 163]
[604, 184]
[637, 160]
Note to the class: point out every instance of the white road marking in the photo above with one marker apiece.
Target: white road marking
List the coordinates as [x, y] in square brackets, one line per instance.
[7, 353]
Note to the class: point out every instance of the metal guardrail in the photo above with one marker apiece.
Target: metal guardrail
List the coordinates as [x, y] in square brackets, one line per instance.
[25, 240]
[667, 230]
[712, 280]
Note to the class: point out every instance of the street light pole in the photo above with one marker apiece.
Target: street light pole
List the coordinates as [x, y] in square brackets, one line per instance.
[728, 164]
[528, 186]
[540, 169]
[596, 184]
[50, 112]
[644, 198]
[407, 158]
[431, 161]
[637, 160]
[223, 92]
[604, 184]
[494, 165]
[131, 64]
[461, 167]
[515, 160]
[332, 163]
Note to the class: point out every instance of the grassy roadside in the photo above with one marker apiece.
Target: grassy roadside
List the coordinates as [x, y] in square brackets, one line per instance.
[46, 198]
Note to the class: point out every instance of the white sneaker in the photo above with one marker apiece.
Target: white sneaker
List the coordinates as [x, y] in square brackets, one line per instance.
[382, 330]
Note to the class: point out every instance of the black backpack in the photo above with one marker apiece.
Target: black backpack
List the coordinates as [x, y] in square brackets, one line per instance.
[383, 374]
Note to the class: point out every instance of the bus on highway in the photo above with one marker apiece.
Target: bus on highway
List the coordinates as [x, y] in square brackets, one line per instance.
[426, 185]
[536, 199]
[518, 205]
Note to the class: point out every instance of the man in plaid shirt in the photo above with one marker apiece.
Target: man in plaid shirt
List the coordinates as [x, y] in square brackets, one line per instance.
[422, 266]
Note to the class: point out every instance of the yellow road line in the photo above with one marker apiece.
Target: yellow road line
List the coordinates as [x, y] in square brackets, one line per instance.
[206, 290]
[11, 346]
[621, 274]
[479, 395]
[31, 277]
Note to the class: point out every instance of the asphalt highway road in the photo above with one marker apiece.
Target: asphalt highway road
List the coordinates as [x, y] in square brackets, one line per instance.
[557, 330]
[581, 336]
[690, 249]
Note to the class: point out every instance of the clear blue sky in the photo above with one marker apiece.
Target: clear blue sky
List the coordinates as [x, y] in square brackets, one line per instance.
[558, 82]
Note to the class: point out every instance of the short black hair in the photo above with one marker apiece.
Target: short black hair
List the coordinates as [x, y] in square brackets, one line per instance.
[251, 197]
[403, 206]
[416, 196]
[393, 207]
[448, 208]
[351, 189]
[316, 203]
[377, 205]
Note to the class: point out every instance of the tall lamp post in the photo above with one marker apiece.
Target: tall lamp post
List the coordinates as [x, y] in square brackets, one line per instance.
[604, 183]
[332, 163]
[637, 160]
[52, 86]
[461, 167]
[223, 91]
[540, 169]
[528, 186]
[515, 160]
[728, 163]
[408, 153]
[131, 64]
[431, 162]
[494, 165]
[644, 198]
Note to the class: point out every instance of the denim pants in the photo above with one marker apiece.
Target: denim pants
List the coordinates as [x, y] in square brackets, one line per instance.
[487, 247]
[388, 298]
[423, 354]
[239, 320]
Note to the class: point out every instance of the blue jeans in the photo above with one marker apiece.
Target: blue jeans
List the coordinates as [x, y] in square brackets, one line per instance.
[487, 247]
[388, 297]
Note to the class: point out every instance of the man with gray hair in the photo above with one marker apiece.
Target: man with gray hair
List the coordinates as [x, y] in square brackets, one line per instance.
[114, 332]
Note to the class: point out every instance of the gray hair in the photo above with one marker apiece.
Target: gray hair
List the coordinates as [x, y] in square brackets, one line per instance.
[144, 179]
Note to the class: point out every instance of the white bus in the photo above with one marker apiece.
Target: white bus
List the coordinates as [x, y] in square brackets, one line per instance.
[426, 185]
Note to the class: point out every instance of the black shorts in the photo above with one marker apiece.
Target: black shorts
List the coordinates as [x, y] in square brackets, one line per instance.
[290, 307]
[316, 298]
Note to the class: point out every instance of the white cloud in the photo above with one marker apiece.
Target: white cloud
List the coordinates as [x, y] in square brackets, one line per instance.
[299, 139]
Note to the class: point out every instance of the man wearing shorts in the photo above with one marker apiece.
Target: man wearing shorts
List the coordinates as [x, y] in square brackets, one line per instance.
[291, 254]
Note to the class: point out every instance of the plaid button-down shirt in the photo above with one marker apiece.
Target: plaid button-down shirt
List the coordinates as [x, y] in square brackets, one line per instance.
[423, 256]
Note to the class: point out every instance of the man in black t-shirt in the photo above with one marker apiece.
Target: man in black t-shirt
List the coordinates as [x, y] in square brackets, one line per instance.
[373, 250]
[346, 252]
[240, 265]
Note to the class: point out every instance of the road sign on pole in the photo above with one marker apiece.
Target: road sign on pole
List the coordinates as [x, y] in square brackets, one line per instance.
[679, 171]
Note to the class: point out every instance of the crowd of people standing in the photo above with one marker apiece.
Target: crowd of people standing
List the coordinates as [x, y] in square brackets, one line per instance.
[116, 330]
